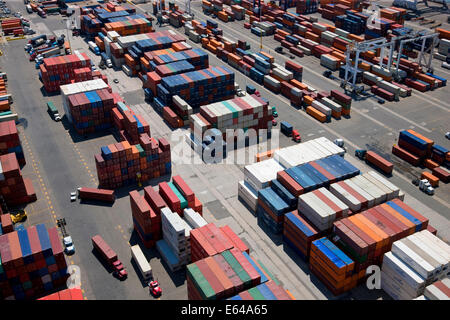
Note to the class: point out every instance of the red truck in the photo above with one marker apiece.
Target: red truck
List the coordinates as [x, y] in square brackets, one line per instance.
[110, 256]
[296, 136]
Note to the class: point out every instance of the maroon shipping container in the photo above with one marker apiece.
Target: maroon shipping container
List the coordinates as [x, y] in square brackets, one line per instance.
[209, 275]
[389, 96]
[183, 188]
[7, 225]
[247, 266]
[229, 272]
[341, 97]
[234, 238]
[405, 155]
[104, 249]
[97, 194]
[379, 162]
[170, 197]
[296, 51]
[154, 199]
[442, 173]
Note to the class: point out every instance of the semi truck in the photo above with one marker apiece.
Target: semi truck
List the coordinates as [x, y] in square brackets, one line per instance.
[142, 263]
[94, 48]
[106, 60]
[51, 109]
[110, 256]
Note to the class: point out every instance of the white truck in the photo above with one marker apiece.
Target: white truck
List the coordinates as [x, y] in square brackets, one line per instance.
[94, 48]
[426, 187]
[141, 262]
[29, 9]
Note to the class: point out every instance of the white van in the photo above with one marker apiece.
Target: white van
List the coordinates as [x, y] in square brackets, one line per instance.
[29, 10]
[142, 263]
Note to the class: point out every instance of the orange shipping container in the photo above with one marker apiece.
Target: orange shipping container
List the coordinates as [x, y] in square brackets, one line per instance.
[308, 100]
[434, 181]
[316, 114]
[443, 34]
[430, 164]
[298, 84]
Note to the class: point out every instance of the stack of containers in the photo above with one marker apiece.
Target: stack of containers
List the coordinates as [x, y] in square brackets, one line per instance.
[333, 267]
[6, 224]
[198, 87]
[130, 27]
[322, 208]
[79, 87]
[146, 222]
[14, 188]
[176, 240]
[299, 233]
[131, 126]
[440, 290]
[265, 291]
[32, 263]
[10, 141]
[12, 26]
[56, 71]
[66, 294]
[368, 235]
[361, 197]
[248, 112]
[307, 151]
[193, 218]
[122, 164]
[306, 6]
[221, 276]
[91, 111]
[210, 240]
[259, 175]
[414, 263]
[412, 147]
[271, 209]
[248, 194]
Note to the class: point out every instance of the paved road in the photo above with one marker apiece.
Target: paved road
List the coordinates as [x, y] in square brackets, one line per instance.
[62, 164]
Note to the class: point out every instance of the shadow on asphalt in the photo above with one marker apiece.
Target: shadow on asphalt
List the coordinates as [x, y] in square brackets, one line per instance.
[178, 277]
[276, 238]
[125, 191]
[78, 138]
[96, 203]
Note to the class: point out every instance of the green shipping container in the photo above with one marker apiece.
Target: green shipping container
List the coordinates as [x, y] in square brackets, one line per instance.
[254, 292]
[235, 265]
[201, 284]
[141, 150]
[183, 200]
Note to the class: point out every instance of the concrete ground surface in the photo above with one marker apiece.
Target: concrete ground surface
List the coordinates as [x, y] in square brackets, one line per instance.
[59, 161]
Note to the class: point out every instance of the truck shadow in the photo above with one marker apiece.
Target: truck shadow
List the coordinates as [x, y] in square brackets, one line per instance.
[178, 277]
[102, 260]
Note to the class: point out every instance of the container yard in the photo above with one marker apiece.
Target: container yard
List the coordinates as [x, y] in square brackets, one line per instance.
[224, 150]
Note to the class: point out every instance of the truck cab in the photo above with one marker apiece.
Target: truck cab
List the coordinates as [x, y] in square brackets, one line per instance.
[296, 136]
[119, 270]
[51, 109]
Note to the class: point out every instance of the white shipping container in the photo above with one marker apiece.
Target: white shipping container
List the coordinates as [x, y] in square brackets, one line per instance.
[387, 191]
[194, 218]
[391, 287]
[438, 243]
[434, 293]
[422, 267]
[272, 81]
[370, 199]
[321, 107]
[386, 182]
[402, 270]
[415, 245]
[330, 146]
[371, 77]
[365, 184]
[331, 104]
[353, 203]
[390, 87]
[305, 50]
[141, 262]
[259, 174]
[341, 32]
[247, 191]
